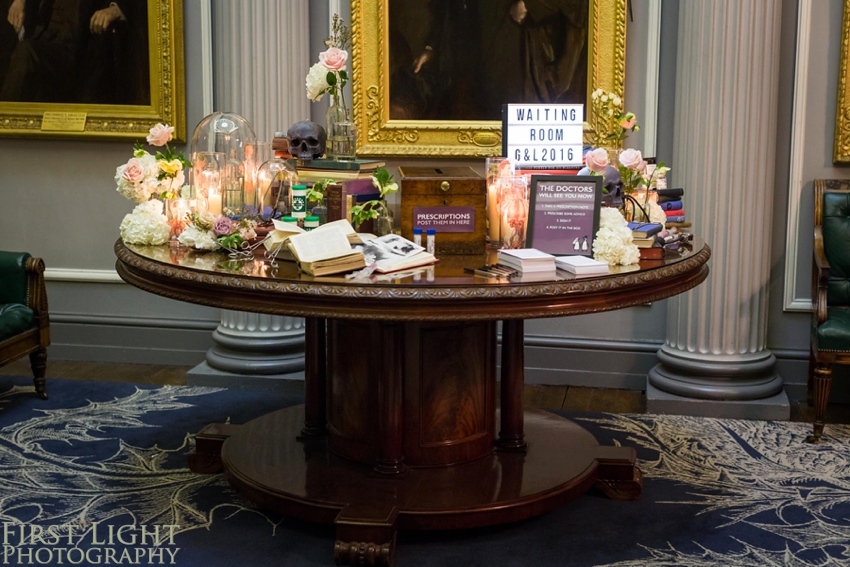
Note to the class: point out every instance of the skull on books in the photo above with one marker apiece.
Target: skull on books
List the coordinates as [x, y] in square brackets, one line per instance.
[306, 140]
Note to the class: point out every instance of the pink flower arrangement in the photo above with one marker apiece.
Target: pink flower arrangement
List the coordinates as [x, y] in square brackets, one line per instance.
[160, 135]
[334, 59]
[597, 160]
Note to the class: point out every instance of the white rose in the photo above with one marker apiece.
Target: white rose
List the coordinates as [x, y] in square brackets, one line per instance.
[317, 82]
[194, 237]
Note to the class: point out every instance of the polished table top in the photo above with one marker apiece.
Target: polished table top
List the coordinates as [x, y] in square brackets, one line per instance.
[440, 292]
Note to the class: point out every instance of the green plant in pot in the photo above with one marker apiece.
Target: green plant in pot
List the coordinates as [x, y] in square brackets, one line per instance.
[377, 208]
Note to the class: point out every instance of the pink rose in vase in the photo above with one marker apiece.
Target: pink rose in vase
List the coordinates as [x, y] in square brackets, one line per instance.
[133, 171]
[631, 159]
[334, 59]
[160, 135]
[597, 160]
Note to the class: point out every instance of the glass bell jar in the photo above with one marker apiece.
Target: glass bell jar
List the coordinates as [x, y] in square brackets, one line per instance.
[230, 134]
[274, 180]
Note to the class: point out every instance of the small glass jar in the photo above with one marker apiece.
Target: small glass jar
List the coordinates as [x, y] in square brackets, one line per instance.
[430, 238]
[417, 236]
[275, 177]
[320, 210]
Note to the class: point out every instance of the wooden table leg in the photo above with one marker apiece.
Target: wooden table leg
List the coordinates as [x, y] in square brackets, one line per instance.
[315, 395]
[390, 401]
[511, 436]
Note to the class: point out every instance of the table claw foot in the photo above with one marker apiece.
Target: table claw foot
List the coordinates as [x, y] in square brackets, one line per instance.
[208, 442]
[363, 553]
[617, 474]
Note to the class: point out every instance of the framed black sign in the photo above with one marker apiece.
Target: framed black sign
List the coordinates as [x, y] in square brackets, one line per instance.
[563, 213]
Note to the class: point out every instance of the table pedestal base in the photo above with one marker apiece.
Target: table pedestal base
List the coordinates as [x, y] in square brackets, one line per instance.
[266, 463]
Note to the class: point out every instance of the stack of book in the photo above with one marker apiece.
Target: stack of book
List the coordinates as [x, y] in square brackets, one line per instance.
[670, 200]
[319, 169]
[280, 145]
[528, 260]
[654, 241]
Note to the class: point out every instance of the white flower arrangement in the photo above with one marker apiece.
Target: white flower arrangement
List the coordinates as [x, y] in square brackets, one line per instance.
[147, 176]
[146, 225]
[614, 243]
[656, 213]
[197, 238]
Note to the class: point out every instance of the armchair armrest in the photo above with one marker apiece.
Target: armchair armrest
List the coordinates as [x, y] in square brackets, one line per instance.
[820, 277]
[37, 291]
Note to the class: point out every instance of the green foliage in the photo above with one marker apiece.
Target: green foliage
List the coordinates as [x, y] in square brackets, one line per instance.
[317, 191]
[368, 210]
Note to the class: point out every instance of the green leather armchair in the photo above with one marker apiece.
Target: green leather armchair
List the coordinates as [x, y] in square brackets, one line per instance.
[24, 322]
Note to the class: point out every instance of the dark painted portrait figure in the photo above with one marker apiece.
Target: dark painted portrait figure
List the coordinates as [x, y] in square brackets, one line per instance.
[463, 59]
[74, 51]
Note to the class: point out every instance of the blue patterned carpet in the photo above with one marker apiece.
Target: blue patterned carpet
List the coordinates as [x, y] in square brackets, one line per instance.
[100, 455]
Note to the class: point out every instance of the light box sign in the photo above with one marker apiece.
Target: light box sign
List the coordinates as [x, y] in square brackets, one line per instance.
[563, 215]
[545, 136]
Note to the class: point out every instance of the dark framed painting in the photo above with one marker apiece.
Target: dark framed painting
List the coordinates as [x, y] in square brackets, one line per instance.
[91, 68]
[429, 77]
[563, 213]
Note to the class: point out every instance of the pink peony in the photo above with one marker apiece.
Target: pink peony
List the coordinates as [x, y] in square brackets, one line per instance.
[631, 158]
[160, 135]
[334, 59]
[597, 160]
[133, 171]
[223, 226]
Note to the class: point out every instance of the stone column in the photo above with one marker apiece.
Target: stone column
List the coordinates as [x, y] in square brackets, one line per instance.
[260, 59]
[715, 361]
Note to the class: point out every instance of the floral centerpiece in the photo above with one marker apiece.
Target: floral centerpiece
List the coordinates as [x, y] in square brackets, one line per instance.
[159, 176]
[609, 124]
[614, 243]
[150, 180]
[377, 208]
[206, 231]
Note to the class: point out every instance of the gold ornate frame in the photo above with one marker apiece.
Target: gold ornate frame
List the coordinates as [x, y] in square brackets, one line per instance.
[380, 136]
[841, 145]
[113, 121]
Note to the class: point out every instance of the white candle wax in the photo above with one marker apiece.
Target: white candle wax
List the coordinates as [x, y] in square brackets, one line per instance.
[494, 216]
[215, 204]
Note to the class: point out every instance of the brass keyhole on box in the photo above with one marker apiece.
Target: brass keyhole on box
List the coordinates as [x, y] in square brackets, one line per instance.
[445, 203]
[445, 186]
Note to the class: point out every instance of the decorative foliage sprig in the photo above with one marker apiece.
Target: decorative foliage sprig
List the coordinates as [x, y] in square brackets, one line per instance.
[317, 191]
[370, 209]
[609, 125]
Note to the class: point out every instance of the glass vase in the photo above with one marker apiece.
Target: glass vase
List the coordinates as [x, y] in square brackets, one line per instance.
[336, 113]
[384, 223]
[345, 141]
[514, 210]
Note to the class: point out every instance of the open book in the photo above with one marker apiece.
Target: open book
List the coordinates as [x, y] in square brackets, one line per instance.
[325, 251]
[283, 231]
[391, 253]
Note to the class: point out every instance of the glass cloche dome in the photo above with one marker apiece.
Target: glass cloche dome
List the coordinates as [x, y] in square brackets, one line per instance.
[231, 135]
[274, 181]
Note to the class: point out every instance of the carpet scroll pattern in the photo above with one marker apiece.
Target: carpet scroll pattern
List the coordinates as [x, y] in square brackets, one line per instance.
[716, 492]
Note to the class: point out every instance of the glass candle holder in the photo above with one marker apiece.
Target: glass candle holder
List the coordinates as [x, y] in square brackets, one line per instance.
[206, 172]
[514, 206]
[179, 210]
[274, 179]
[497, 170]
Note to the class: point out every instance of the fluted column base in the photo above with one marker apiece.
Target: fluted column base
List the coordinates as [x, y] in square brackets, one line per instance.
[732, 386]
[252, 350]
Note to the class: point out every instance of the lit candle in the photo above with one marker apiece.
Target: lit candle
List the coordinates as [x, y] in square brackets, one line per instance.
[494, 217]
[215, 204]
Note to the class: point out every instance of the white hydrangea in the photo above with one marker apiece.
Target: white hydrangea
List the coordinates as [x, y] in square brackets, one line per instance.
[194, 237]
[146, 225]
[613, 243]
[317, 82]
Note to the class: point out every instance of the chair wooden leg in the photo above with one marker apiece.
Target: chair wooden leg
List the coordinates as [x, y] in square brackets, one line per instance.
[38, 362]
[810, 396]
[822, 380]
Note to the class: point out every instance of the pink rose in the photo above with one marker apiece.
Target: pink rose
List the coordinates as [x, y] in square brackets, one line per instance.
[160, 135]
[133, 171]
[642, 166]
[597, 160]
[628, 121]
[223, 226]
[631, 158]
[334, 59]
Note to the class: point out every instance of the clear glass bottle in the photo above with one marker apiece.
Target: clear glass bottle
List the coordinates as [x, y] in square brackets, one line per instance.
[336, 113]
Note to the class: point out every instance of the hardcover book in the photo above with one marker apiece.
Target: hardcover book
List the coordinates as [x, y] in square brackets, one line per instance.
[671, 205]
[645, 229]
[329, 165]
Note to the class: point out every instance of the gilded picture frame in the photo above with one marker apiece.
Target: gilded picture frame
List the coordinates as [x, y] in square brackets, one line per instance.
[167, 100]
[841, 145]
[379, 135]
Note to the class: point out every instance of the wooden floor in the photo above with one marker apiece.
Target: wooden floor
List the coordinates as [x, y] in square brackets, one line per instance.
[539, 396]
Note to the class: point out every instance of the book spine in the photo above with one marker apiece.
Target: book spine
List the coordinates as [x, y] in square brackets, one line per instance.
[679, 218]
[675, 213]
[672, 206]
[337, 209]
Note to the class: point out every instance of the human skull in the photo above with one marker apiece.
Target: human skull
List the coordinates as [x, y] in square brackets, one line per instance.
[306, 140]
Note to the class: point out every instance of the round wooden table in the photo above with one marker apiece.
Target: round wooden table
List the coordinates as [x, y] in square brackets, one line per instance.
[399, 425]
